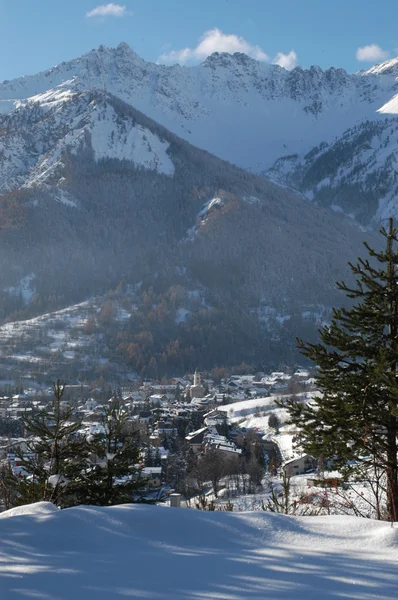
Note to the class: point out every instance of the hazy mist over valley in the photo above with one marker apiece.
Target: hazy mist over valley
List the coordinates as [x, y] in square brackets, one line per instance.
[198, 300]
[110, 196]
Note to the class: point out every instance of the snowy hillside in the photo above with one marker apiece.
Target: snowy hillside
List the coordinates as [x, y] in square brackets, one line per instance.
[356, 174]
[119, 196]
[59, 337]
[95, 192]
[244, 111]
[159, 553]
[37, 135]
[238, 411]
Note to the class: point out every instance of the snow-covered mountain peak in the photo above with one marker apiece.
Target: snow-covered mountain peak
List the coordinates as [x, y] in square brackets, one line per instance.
[112, 137]
[69, 122]
[226, 60]
[122, 52]
[95, 69]
[388, 67]
[356, 174]
[97, 190]
[50, 98]
[246, 111]
[123, 47]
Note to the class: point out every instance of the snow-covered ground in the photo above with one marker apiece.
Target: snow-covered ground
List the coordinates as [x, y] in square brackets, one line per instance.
[60, 333]
[111, 139]
[24, 288]
[255, 410]
[56, 326]
[74, 316]
[159, 553]
[254, 414]
[237, 411]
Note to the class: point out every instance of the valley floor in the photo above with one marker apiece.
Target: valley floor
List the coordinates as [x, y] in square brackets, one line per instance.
[161, 553]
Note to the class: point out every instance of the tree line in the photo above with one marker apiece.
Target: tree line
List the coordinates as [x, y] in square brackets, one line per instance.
[60, 464]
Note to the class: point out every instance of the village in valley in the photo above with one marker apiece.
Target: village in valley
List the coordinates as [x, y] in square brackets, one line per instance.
[198, 300]
[206, 441]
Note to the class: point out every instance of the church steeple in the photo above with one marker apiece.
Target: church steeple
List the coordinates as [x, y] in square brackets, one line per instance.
[196, 390]
[196, 378]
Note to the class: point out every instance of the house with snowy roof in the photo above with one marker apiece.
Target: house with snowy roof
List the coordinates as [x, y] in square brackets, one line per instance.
[152, 477]
[299, 465]
[301, 373]
[195, 439]
[212, 440]
[179, 381]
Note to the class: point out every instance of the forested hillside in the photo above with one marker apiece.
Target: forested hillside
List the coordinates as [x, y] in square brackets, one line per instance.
[95, 194]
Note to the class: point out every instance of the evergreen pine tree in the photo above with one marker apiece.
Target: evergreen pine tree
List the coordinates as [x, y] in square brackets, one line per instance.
[55, 456]
[8, 486]
[113, 475]
[177, 395]
[274, 422]
[222, 428]
[157, 458]
[176, 470]
[189, 427]
[149, 457]
[354, 421]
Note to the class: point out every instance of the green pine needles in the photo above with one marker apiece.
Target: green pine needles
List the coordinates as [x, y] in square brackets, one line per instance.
[62, 465]
[353, 424]
[113, 475]
[55, 455]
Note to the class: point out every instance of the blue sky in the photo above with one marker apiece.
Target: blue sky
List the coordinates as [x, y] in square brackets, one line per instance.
[353, 34]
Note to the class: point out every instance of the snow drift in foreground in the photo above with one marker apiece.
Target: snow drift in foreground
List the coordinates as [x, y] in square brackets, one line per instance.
[136, 551]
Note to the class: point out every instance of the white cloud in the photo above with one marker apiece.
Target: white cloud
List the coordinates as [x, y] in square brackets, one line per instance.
[371, 53]
[108, 10]
[287, 61]
[214, 40]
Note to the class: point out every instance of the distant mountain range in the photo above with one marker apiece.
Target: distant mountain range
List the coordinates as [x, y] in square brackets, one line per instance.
[106, 175]
[242, 110]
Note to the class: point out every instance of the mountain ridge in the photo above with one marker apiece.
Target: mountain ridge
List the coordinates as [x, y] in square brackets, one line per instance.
[356, 173]
[96, 193]
[242, 110]
[105, 194]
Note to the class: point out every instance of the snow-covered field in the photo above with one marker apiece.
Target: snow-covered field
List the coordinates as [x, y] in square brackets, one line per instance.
[254, 414]
[61, 331]
[237, 411]
[260, 407]
[73, 316]
[159, 553]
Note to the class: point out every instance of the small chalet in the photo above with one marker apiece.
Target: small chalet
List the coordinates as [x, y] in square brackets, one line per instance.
[153, 477]
[299, 465]
[195, 439]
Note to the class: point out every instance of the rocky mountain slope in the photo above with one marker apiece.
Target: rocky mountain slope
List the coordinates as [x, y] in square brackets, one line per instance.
[92, 172]
[93, 192]
[244, 111]
[356, 173]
